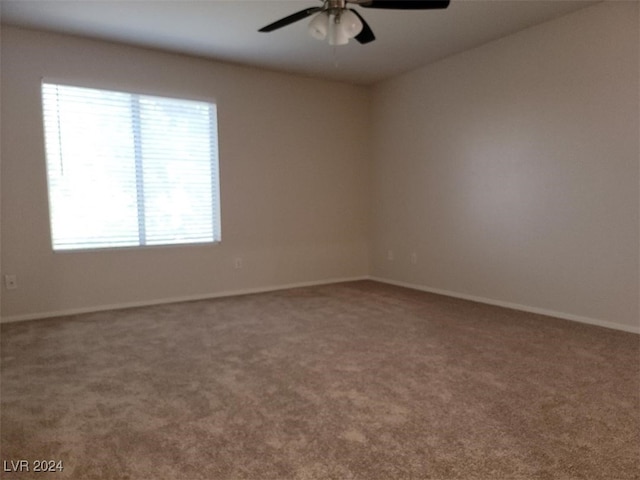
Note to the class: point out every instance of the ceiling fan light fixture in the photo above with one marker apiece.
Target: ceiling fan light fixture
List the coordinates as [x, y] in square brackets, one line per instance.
[338, 27]
[319, 26]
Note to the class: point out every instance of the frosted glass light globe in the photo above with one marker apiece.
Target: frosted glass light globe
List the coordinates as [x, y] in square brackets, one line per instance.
[319, 26]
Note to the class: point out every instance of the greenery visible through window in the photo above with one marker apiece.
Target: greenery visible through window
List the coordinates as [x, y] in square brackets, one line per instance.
[129, 170]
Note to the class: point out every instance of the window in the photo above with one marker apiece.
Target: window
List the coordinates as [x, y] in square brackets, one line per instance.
[129, 170]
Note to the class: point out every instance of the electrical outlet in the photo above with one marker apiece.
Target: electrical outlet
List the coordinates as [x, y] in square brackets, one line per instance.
[390, 255]
[237, 263]
[414, 258]
[11, 282]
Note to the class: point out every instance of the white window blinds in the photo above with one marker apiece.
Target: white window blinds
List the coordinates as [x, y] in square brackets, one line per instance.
[129, 170]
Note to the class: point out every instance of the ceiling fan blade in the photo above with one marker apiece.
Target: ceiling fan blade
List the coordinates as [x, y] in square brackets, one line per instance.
[366, 35]
[406, 4]
[283, 22]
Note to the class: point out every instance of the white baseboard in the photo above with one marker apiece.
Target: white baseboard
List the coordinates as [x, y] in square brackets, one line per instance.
[514, 306]
[186, 298]
[271, 288]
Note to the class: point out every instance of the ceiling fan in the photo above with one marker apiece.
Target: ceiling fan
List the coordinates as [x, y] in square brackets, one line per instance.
[335, 21]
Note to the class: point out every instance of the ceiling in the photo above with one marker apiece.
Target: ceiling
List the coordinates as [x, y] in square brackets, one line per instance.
[228, 30]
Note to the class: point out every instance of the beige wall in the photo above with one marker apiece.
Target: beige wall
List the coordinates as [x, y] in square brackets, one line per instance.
[294, 177]
[511, 170]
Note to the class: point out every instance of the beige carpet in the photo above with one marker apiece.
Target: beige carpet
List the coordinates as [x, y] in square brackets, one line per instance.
[349, 381]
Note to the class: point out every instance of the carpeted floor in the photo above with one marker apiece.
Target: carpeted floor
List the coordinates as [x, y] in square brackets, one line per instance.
[349, 381]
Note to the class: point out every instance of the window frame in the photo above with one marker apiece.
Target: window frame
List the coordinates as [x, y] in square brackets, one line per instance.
[214, 165]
